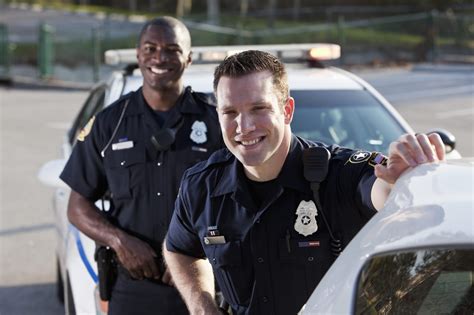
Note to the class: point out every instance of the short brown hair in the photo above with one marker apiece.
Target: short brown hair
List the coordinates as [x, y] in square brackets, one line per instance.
[252, 61]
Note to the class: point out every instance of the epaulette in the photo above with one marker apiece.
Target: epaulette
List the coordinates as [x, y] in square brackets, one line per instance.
[218, 157]
[205, 98]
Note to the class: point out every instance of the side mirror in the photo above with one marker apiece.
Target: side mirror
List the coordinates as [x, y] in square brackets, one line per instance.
[49, 173]
[447, 137]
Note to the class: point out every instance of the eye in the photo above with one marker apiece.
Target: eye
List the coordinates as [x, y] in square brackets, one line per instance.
[174, 49]
[259, 108]
[228, 112]
[149, 49]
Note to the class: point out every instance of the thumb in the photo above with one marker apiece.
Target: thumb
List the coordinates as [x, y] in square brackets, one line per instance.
[384, 173]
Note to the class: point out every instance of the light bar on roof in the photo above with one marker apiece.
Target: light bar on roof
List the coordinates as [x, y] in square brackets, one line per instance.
[215, 54]
[121, 56]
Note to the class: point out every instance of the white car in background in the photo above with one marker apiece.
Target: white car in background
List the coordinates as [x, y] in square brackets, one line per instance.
[416, 256]
[332, 106]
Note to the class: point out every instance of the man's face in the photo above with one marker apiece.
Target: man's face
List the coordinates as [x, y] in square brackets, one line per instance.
[162, 57]
[255, 126]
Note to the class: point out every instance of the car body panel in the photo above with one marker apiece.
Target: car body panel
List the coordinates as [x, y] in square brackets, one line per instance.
[430, 206]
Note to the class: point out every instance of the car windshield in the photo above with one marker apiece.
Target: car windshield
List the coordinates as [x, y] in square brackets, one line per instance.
[435, 281]
[350, 118]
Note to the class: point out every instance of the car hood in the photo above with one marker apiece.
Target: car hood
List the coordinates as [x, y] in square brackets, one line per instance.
[429, 206]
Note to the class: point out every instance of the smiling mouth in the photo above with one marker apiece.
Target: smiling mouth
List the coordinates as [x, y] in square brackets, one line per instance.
[158, 70]
[247, 143]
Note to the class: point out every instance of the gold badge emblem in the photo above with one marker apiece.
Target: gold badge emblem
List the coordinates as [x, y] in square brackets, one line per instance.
[86, 130]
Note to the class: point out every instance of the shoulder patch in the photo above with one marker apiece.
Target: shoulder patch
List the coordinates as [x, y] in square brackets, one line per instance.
[86, 130]
[359, 157]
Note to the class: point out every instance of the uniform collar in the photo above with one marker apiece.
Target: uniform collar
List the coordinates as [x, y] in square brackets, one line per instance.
[186, 103]
[234, 179]
[291, 175]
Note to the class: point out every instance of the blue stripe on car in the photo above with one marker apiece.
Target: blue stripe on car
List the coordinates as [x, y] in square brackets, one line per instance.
[82, 254]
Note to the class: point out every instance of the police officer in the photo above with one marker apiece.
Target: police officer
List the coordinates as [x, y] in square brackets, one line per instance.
[252, 210]
[137, 149]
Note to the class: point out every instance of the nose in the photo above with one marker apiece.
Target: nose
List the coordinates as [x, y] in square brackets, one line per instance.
[159, 55]
[245, 124]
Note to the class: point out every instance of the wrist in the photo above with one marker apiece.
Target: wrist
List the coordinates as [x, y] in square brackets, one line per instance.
[116, 239]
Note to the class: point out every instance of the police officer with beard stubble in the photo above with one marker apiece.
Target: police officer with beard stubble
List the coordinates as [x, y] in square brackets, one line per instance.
[272, 211]
[137, 149]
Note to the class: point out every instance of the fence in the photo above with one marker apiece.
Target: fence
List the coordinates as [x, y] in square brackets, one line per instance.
[74, 52]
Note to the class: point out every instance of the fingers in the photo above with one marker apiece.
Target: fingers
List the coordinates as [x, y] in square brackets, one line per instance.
[399, 150]
[385, 173]
[418, 149]
[439, 147]
[139, 259]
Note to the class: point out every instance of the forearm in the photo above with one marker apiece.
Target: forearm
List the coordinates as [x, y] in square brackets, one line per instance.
[379, 193]
[194, 280]
[83, 214]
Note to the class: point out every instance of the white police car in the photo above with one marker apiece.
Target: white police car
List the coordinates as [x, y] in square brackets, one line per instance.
[416, 256]
[332, 106]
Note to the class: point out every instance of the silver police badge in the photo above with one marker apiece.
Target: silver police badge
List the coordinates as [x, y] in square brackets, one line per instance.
[198, 132]
[305, 223]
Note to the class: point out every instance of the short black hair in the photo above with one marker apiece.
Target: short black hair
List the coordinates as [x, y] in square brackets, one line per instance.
[171, 23]
[253, 61]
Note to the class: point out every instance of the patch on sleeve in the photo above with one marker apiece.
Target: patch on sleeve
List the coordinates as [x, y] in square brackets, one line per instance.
[359, 157]
[86, 130]
[377, 158]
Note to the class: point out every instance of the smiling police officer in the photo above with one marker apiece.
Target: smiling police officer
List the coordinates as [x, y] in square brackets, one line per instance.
[137, 149]
[272, 211]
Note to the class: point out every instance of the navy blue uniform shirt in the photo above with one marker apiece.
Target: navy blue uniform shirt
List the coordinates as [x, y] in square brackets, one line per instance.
[262, 259]
[142, 180]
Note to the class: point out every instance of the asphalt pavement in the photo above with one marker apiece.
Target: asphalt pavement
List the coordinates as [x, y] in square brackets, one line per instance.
[32, 123]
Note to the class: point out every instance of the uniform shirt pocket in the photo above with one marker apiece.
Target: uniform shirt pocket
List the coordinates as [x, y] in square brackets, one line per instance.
[305, 260]
[118, 165]
[232, 278]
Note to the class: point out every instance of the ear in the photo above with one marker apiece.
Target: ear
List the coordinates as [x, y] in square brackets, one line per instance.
[289, 110]
[190, 59]
[137, 51]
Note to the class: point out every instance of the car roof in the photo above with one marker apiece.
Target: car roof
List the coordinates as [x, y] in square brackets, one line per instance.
[430, 206]
[200, 78]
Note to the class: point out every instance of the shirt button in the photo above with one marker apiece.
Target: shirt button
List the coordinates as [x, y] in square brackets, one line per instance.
[264, 299]
[214, 261]
[310, 258]
[260, 259]
[158, 194]
[258, 221]
[159, 163]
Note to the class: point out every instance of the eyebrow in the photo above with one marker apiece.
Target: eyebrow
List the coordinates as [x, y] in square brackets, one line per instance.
[227, 107]
[166, 44]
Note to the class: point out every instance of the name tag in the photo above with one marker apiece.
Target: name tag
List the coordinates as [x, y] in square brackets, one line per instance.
[213, 240]
[122, 145]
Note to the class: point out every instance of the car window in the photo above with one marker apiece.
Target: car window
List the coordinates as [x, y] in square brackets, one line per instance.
[351, 118]
[432, 281]
[93, 104]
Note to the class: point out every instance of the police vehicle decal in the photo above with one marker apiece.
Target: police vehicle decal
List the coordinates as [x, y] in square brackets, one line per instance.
[82, 253]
